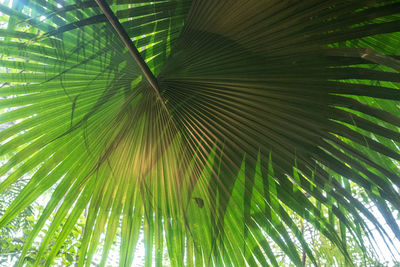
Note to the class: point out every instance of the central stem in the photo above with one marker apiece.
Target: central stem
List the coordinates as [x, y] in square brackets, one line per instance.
[129, 44]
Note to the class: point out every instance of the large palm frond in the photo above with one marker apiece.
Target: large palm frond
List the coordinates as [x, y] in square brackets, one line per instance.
[262, 109]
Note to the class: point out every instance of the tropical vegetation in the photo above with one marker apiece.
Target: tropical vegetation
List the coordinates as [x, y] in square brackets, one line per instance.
[218, 129]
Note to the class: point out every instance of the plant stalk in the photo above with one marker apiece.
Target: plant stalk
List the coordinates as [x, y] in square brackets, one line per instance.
[129, 44]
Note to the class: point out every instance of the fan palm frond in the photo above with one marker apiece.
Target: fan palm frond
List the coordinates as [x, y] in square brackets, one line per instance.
[262, 110]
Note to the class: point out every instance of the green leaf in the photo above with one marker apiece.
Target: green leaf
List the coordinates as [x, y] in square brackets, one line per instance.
[265, 115]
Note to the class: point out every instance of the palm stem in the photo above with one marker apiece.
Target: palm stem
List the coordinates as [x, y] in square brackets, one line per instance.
[129, 44]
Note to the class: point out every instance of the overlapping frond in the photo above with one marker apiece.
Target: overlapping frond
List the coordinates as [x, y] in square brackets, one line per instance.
[267, 109]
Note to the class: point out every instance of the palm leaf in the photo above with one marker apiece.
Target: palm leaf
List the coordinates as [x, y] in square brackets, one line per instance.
[262, 110]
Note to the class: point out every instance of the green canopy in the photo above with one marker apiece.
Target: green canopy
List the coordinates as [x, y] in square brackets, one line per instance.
[234, 118]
